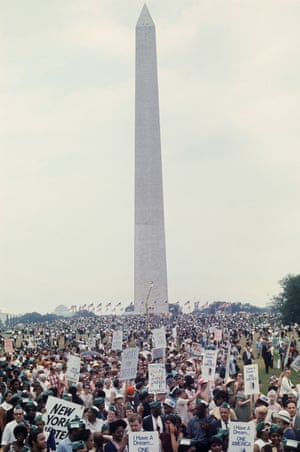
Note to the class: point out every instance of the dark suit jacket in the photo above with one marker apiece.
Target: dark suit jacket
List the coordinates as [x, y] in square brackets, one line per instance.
[148, 424]
[297, 427]
[213, 428]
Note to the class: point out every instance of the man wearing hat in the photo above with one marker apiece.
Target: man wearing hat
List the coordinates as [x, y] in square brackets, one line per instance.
[74, 427]
[223, 422]
[198, 426]
[30, 411]
[154, 422]
[221, 397]
[144, 406]
[99, 402]
[169, 405]
[93, 423]
[284, 421]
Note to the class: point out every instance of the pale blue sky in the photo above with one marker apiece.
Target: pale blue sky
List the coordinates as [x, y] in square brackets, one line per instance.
[229, 79]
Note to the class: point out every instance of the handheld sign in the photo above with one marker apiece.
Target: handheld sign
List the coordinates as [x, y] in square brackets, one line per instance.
[218, 334]
[58, 413]
[209, 365]
[159, 337]
[251, 379]
[241, 436]
[157, 378]
[158, 353]
[117, 340]
[129, 363]
[196, 350]
[296, 364]
[8, 346]
[227, 368]
[143, 441]
[73, 369]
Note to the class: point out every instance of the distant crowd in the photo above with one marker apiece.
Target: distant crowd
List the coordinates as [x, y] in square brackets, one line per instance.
[191, 413]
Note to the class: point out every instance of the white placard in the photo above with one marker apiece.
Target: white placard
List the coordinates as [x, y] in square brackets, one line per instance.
[227, 368]
[143, 441]
[8, 346]
[209, 365]
[218, 334]
[58, 413]
[251, 379]
[241, 436]
[196, 349]
[73, 369]
[296, 364]
[158, 353]
[117, 340]
[157, 378]
[159, 337]
[129, 363]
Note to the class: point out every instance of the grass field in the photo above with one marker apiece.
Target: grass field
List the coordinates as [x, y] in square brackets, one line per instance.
[265, 378]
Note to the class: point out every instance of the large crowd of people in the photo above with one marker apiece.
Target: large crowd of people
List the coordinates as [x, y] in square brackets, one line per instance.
[190, 414]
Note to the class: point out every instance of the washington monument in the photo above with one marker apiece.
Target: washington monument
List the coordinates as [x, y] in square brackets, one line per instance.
[150, 268]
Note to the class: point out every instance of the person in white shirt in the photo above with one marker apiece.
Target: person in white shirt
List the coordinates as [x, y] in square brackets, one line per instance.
[8, 436]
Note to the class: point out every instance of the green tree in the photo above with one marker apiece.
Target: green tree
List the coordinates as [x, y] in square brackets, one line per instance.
[288, 301]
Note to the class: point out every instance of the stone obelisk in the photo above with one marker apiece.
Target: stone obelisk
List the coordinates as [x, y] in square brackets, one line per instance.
[150, 268]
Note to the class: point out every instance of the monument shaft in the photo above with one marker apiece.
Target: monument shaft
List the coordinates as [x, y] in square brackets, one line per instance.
[150, 269]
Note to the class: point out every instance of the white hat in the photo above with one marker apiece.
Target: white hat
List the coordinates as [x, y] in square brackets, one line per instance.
[284, 416]
[264, 399]
[170, 402]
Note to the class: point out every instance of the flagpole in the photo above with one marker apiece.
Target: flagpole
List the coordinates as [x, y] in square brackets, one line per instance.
[147, 304]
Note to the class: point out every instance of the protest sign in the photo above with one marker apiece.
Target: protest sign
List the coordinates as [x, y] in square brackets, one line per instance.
[157, 378]
[241, 436]
[196, 350]
[159, 337]
[73, 369]
[8, 346]
[209, 364]
[58, 413]
[251, 379]
[129, 363]
[117, 340]
[143, 441]
[158, 353]
[227, 367]
[296, 364]
[218, 334]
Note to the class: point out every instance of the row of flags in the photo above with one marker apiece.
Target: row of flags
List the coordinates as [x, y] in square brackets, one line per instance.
[94, 308]
[103, 307]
